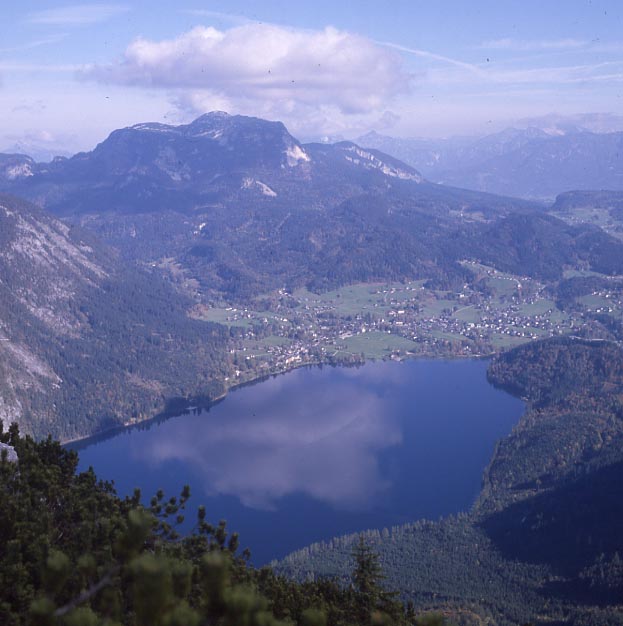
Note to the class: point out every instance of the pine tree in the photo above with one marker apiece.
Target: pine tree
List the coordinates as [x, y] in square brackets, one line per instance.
[372, 602]
[368, 573]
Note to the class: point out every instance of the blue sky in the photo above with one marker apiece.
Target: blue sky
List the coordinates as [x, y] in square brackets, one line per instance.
[72, 72]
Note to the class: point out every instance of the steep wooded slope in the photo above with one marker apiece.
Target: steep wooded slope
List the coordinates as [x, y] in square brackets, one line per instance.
[85, 341]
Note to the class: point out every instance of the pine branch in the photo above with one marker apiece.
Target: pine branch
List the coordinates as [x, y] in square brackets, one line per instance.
[87, 594]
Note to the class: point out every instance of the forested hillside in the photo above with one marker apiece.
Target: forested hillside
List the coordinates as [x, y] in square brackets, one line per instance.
[232, 207]
[236, 206]
[87, 342]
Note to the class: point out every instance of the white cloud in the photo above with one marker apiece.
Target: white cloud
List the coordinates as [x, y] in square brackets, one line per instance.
[77, 14]
[552, 76]
[40, 144]
[307, 122]
[266, 63]
[607, 46]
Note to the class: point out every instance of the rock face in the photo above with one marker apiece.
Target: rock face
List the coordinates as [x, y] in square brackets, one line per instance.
[11, 455]
[45, 267]
[15, 166]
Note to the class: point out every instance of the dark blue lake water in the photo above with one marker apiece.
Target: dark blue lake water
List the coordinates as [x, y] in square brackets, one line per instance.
[320, 452]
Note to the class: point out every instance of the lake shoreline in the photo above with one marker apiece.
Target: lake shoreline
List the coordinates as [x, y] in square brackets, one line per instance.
[83, 441]
[343, 444]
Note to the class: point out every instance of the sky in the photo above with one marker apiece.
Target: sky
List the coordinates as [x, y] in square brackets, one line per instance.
[72, 73]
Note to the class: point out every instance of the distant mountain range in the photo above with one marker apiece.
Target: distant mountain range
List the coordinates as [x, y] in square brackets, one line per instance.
[244, 207]
[527, 162]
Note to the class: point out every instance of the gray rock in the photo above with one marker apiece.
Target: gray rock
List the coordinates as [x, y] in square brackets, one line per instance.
[10, 451]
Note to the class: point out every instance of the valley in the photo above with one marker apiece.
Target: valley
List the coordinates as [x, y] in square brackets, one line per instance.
[352, 255]
[311, 313]
[173, 264]
[399, 320]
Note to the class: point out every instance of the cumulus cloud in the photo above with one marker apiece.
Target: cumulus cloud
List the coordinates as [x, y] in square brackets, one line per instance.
[265, 63]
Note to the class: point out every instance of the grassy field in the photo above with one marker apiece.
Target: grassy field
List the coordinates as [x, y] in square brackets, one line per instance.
[439, 334]
[580, 273]
[596, 302]
[503, 285]
[224, 316]
[408, 309]
[377, 345]
[376, 299]
[590, 215]
[540, 307]
[468, 314]
[508, 341]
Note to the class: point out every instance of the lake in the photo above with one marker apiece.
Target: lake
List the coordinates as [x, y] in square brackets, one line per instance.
[322, 451]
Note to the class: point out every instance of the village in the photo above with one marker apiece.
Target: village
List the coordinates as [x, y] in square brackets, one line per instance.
[401, 320]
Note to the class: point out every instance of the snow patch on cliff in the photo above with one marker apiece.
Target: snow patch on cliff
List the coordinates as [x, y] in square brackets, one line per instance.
[295, 155]
[369, 161]
[249, 183]
[21, 170]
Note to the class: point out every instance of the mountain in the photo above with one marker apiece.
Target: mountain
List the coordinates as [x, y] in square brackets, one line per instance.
[438, 155]
[243, 207]
[433, 156]
[15, 166]
[528, 162]
[541, 246]
[226, 208]
[86, 342]
[611, 201]
[222, 160]
[545, 167]
[236, 207]
[216, 159]
[556, 124]
[423, 154]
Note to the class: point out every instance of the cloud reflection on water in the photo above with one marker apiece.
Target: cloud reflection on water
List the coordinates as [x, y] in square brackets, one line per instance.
[274, 444]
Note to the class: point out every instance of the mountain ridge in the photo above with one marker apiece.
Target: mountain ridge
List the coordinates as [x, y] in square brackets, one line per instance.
[527, 162]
